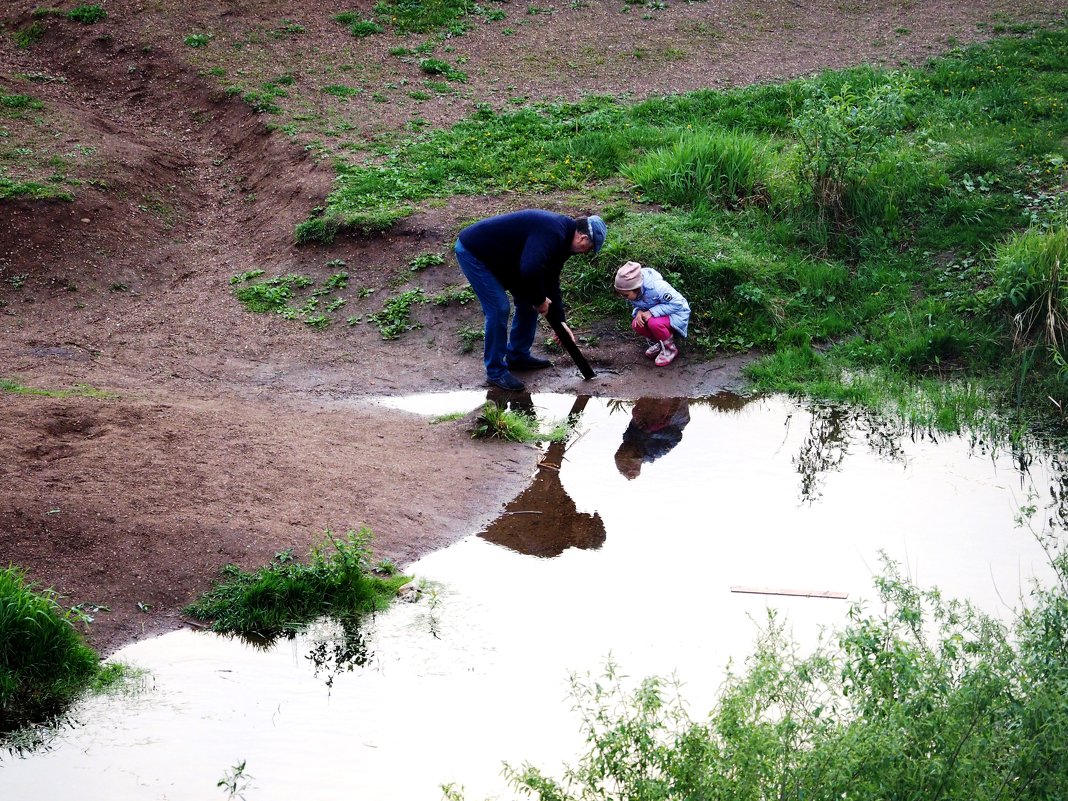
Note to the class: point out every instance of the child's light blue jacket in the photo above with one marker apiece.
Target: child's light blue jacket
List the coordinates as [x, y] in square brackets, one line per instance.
[662, 299]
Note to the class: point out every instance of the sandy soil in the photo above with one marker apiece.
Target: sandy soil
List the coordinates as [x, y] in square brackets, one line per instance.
[230, 436]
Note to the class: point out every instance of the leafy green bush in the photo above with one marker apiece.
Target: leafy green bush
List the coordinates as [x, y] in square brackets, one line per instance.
[841, 131]
[286, 595]
[44, 662]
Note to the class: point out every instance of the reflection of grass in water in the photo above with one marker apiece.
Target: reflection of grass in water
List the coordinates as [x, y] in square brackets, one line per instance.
[498, 423]
[286, 595]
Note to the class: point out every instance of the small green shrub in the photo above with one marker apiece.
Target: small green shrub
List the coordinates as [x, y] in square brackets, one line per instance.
[423, 16]
[87, 14]
[841, 130]
[437, 66]
[271, 295]
[20, 101]
[425, 260]
[496, 422]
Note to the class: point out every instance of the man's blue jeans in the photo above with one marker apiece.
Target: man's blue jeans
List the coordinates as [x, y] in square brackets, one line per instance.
[495, 306]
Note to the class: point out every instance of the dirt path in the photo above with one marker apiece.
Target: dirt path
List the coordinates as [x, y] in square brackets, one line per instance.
[231, 436]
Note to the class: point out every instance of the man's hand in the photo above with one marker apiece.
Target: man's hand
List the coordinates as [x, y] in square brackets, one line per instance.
[544, 307]
[570, 333]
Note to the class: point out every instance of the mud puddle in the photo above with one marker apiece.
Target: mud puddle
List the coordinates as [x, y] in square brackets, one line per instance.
[660, 535]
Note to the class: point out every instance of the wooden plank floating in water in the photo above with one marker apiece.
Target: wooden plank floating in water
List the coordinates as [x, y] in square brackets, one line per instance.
[798, 593]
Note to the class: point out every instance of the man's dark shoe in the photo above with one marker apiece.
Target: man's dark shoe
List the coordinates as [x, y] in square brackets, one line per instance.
[528, 363]
[508, 382]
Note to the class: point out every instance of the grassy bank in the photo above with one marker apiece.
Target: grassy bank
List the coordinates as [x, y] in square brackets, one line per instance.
[887, 237]
[44, 662]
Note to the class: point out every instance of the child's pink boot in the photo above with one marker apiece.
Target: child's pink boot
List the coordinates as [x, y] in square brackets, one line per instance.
[653, 350]
[668, 351]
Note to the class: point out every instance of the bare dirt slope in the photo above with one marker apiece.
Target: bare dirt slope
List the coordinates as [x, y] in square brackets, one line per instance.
[230, 436]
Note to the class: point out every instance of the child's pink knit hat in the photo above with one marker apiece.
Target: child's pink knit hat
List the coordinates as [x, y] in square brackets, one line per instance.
[629, 277]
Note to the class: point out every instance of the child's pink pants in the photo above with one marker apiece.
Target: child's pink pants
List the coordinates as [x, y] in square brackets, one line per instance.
[658, 328]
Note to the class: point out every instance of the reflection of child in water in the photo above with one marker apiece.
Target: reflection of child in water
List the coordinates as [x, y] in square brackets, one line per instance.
[655, 428]
[658, 311]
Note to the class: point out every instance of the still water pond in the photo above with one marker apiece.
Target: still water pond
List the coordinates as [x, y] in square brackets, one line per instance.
[635, 541]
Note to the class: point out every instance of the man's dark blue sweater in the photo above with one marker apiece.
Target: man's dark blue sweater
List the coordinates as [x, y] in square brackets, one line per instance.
[525, 251]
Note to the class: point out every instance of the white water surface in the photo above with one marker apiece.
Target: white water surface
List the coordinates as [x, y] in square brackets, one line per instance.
[476, 672]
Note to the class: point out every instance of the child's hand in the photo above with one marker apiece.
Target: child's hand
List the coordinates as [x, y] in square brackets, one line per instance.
[642, 318]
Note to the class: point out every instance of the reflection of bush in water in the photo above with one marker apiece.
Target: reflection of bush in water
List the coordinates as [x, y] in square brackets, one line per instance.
[340, 650]
[920, 698]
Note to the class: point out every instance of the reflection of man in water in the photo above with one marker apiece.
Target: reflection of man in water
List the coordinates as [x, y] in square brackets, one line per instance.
[655, 428]
[543, 519]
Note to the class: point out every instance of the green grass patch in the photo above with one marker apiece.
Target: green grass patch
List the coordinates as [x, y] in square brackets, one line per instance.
[285, 596]
[44, 661]
[495, 422]
[32, 190]
[77, 391]
[29, 35]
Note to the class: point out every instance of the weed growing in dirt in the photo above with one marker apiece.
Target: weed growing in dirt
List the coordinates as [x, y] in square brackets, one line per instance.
[394, 317]
[282, 597]
[271, 295]
[198, 39]
[425, 260]
[447, 418]
[26, 37]
[495, 422]
[469, 337]
[460, 295]
[31, 190]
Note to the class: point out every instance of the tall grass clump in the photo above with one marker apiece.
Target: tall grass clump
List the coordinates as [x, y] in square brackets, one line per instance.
[283, 597]
[916, 697]
[702, 167]
[44, 661]
[1030, 284]
[497, 422]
